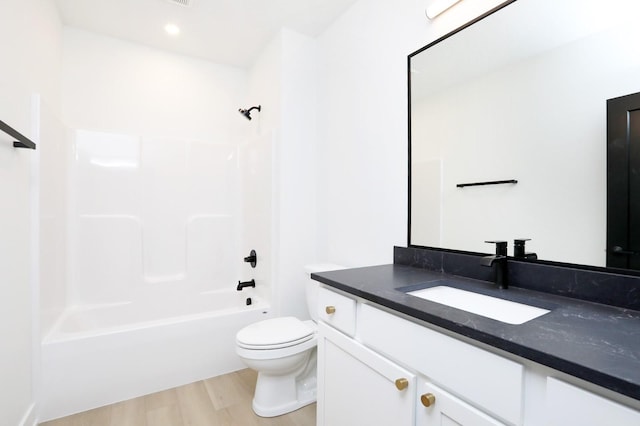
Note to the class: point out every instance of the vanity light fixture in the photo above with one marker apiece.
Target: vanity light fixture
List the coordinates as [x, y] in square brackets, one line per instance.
[172, 29]
[439, 6]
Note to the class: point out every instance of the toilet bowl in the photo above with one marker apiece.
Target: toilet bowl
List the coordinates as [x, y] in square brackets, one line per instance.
[283, 352]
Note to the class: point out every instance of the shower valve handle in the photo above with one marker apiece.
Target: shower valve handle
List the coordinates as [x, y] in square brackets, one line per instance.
[252, 258]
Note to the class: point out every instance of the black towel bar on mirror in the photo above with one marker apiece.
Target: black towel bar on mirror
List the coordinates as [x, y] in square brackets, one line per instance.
[22, 140]
[493, 182]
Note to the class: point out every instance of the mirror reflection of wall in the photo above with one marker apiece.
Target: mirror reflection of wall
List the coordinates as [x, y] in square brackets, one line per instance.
[521, 95]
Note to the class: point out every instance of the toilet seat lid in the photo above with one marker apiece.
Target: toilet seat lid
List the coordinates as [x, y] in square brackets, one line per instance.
[274, 332]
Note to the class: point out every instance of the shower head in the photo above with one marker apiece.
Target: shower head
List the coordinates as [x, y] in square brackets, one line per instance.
[247, 112]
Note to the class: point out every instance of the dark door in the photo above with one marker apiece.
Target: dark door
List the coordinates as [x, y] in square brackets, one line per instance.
[623, 182]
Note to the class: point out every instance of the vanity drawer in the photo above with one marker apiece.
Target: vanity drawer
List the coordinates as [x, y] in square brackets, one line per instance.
[484, 379]
[337, 310]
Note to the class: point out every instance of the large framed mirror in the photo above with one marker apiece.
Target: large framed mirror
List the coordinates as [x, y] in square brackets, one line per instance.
[520, 95]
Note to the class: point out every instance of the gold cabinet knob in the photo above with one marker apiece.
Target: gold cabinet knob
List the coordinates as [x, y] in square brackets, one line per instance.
[402, 383]
[428, 399]
[330, 310]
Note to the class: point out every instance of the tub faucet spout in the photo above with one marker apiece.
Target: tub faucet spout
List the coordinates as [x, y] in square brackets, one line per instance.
[244, 284]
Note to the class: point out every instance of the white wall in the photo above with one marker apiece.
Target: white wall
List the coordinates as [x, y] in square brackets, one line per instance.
[53, 155]
[30, 64]
[297, 172]
[362, 122]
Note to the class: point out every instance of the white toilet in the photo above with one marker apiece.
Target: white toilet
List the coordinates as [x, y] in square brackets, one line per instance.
[283, 352]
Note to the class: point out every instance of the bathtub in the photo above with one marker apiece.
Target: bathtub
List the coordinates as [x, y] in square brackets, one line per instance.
[98, 355]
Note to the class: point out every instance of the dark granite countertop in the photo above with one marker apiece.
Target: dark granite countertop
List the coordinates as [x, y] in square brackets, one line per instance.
[594, 342]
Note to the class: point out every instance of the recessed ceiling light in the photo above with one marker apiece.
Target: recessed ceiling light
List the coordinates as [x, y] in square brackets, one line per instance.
[172, 29]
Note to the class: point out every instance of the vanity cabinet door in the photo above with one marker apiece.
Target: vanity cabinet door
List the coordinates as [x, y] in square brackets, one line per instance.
[438, 407]
[570, 405]
[356, 386]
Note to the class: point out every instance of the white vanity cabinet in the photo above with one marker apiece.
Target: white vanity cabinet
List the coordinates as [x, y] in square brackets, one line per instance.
[363, 350]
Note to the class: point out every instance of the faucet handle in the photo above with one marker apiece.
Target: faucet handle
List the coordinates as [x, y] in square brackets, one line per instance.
[501, 247]
[519, 249]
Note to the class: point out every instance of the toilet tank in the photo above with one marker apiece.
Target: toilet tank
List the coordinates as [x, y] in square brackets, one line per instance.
[311, 286]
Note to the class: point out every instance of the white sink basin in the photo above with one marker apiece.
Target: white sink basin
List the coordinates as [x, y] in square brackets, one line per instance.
[480, 304]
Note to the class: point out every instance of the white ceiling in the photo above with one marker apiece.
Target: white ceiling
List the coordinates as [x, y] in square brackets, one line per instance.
[229, 32]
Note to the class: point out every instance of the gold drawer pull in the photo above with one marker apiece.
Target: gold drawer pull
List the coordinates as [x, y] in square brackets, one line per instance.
[428, 399]
[330, 310]
[402, 383]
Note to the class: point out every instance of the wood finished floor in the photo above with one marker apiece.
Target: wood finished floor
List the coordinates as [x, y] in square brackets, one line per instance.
[223, 400]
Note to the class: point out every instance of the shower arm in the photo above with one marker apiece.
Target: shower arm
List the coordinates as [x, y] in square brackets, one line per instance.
[247, 112]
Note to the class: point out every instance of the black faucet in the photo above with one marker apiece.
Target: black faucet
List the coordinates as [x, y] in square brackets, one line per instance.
[519, 251]
[500, 262]
[244, 284]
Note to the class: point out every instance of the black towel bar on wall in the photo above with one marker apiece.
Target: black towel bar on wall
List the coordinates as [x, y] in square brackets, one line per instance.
[22, 140]
[493, 182]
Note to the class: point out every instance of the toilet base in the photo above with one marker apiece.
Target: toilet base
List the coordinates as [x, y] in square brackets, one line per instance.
[281, 409]
[278, 395]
